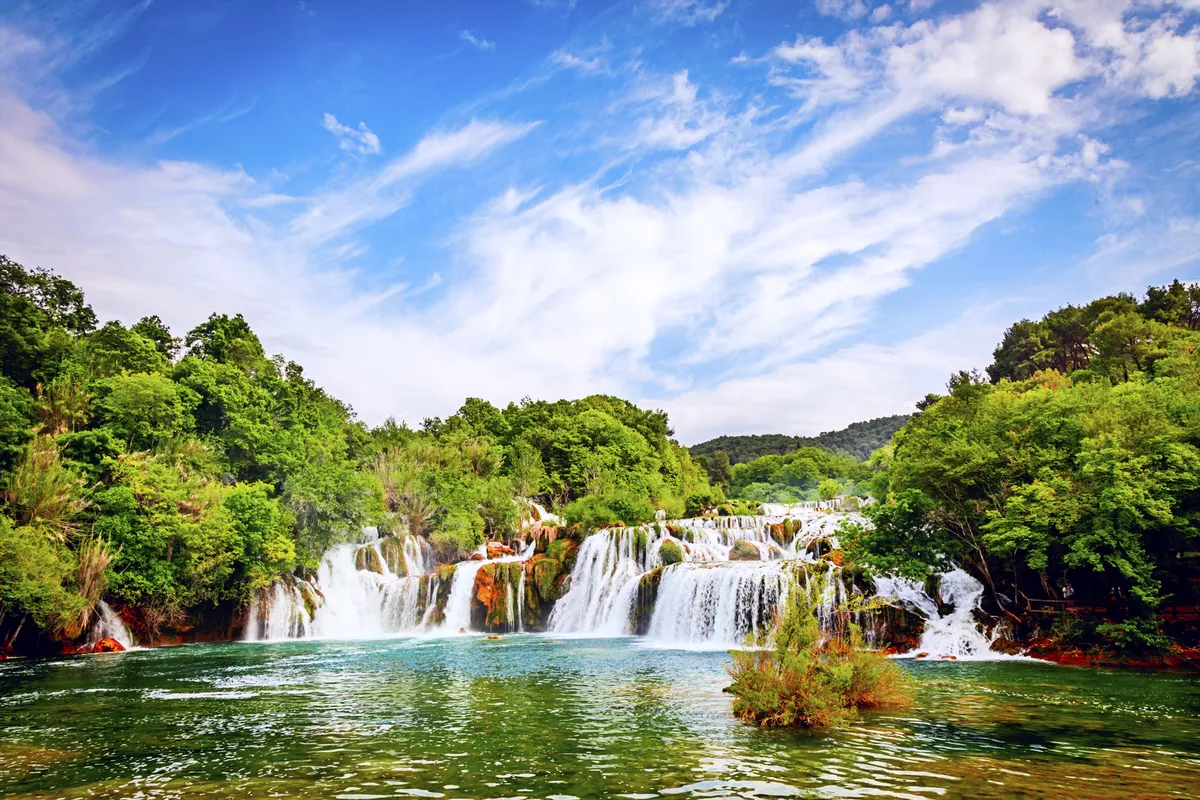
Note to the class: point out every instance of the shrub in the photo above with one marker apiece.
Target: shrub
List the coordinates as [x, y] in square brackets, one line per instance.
[806, 680]
[595, 511]
[1138, 635]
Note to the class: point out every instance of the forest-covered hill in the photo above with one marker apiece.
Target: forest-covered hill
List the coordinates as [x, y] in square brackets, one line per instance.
[857, 440]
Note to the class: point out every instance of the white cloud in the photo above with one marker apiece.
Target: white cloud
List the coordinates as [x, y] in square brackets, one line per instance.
[587, 64]
[845, 9]
[687, 12]
[341, 210]
[677, 120]
[853, 383]
[359, 139]
[478, 42]
[731, 246]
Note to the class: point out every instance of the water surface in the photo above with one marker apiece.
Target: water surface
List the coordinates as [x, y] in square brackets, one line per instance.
[535, 717]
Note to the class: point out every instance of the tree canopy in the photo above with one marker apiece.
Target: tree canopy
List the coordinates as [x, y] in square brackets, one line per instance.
[1077, 465]
[174, 476]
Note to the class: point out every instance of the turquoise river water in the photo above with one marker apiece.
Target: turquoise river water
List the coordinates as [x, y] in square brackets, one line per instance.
[536, 717]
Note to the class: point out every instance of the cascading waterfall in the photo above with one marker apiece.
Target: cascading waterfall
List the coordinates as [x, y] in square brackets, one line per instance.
[458, 607]
[344, 601]
[705, 601]
[956, 634]
[604, 580]
[716, 605]
[109, 626]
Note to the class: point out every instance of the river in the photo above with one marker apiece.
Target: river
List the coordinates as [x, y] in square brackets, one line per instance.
[533, 716]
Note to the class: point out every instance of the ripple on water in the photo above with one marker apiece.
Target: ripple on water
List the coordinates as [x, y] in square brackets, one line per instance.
[565, 720]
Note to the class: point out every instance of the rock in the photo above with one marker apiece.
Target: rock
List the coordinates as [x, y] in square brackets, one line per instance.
[744, 551]
[493, 638]
[544, 573]
[670, 552]
[366, 558]
[476, 557]
[563, 551]
[647, 596]
[108, 646]
[922, 655]
[949, 657]
[392, 548]
[499, 550]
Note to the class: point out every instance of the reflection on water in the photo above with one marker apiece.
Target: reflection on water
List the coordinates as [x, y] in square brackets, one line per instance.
[534, 717]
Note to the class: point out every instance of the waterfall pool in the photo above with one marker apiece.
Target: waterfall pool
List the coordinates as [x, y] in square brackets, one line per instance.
[532, 716]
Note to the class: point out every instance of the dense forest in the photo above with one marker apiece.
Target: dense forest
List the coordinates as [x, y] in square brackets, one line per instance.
[856, 441]
[174, 476]
[1069, 482]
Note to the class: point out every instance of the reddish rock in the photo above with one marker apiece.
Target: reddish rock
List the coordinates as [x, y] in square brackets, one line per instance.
[108, 646]
[498, 550]
[476, 557]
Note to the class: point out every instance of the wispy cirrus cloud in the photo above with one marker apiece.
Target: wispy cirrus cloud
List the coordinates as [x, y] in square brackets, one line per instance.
[478, 42]
[718, 249]
[361, 139]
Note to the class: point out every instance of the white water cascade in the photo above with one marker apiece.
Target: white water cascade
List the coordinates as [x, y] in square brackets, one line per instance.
[108, 625]
[716, 605]
[604, 580]
[706, 601]
[957, 634]
[343, 601]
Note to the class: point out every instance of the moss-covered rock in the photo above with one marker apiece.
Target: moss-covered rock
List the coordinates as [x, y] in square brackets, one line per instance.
[366, 558]
[435, 588]
[544, 573]
[563, 551]
[671, 552]
[494, 606]
[744, 551]
[392, 549]
[647, 596]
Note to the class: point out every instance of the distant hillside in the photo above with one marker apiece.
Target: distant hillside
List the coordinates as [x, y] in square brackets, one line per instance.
[858, 441]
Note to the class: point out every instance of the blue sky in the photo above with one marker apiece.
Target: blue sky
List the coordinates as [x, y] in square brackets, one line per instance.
[760, 216]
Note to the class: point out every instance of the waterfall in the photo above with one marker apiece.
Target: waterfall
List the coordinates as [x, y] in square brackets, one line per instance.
[604, 580]
[718, 606]
[957, 633]
[108, 625]
[278, 613]
[418, 556]
[462, 588]
[520, 602]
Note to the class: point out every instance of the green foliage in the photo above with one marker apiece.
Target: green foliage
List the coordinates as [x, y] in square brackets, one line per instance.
[1042, 480]
[807, 680]
[856, 441]
[36, 575]
[43, 493]
[208, 475]
[797, 476]
[143, 409]
[596, 511]
[671, 552]
[829, 488]
[1135, 636]
[40, 315]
